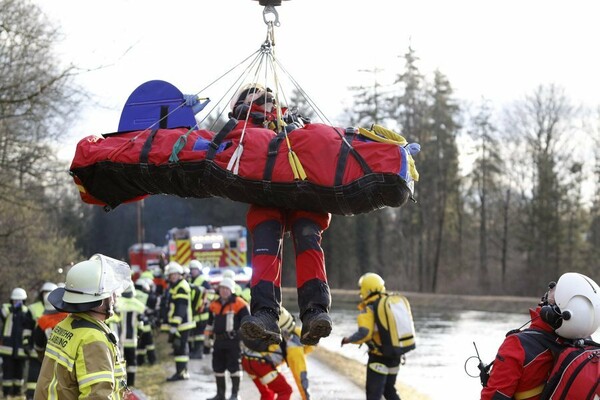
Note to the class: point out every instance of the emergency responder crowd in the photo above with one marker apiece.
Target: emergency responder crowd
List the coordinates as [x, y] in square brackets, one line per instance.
[85, 338]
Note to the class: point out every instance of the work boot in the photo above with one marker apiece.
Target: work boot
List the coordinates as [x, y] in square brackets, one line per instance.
[235, 387]
[220, 389]
[179, 376]
[262, 326]
[198, 352]
[316, 324]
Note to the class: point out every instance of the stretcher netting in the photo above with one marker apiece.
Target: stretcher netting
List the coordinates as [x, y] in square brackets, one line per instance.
[127, 166]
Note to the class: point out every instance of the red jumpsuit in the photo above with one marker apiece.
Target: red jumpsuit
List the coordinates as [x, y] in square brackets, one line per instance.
[267, 226]
[523, 363]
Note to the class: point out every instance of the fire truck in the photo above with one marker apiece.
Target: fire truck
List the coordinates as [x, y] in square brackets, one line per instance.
[144, 256]
[213, 246]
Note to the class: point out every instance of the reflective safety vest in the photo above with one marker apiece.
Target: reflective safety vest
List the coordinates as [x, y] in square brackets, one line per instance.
[16, 330]
[37, 309]
[81, 361]
[129, 310]
[180, 306]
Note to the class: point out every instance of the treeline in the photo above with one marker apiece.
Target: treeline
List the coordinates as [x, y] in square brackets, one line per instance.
[508, 221]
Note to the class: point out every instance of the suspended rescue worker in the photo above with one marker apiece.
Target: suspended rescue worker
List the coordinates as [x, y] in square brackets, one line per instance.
[385, 324]
[255, 106]
[82, 359]
[17, 325]
[131, 316]
[200, 300]
[570, 309]
[179, 319]
[224, 323]
[38, 309]
[263, 367]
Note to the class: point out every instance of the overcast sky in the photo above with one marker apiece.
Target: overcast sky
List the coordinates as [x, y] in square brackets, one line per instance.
[499, 50]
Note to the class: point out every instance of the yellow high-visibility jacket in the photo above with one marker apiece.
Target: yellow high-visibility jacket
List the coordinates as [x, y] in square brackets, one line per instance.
[81, 361]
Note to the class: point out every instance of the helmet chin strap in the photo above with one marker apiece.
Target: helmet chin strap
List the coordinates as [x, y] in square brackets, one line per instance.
[105, 309]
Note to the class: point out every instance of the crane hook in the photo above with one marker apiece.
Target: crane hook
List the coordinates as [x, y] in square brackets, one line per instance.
[275, 16]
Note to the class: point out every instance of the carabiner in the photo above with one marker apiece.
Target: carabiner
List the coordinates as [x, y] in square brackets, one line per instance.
[270, 9]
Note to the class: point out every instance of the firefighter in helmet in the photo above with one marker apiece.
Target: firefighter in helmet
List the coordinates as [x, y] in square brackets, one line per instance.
[226, 314]
[570, 309]
[17, 325]
[82, 359]
[385, 344]
[256, 106]
[39, 308]
[179, 319]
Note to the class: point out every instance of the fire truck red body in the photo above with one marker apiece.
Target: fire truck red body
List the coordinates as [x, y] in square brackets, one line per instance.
[213, 246]
[144, 256]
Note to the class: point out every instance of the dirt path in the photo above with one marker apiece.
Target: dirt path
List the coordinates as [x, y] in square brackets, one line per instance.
[331, 376]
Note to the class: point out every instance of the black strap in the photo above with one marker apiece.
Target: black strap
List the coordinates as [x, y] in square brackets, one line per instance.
[272, 152]
[164, 112]
[343, 158]
[338, 187]
[147, 147]
[216, 142]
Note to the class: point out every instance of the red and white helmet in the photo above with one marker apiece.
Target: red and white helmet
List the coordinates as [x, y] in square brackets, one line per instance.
[255, 94]
[578, 299]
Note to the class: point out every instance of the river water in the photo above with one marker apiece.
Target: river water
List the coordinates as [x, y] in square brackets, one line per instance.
[444, 342]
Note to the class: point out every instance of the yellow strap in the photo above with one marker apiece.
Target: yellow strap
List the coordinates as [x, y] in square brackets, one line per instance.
[383, 135]
[529, 393]
[296, 165]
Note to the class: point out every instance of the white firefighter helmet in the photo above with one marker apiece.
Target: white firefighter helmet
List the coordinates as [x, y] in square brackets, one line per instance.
[228, 283]
[195, 264]
[144, 284]
[578, 299]
[48, 287]
[89, 282]
[286, 320]
[229, 274]
[173, 267]
[18, 294]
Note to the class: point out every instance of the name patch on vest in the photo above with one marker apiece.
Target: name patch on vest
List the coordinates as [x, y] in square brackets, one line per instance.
[60, 336]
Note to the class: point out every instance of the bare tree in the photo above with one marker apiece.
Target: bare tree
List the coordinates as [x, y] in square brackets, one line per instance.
[36, 99]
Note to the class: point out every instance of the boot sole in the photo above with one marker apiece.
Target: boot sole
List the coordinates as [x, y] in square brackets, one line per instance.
[253, 331]
[319, 328]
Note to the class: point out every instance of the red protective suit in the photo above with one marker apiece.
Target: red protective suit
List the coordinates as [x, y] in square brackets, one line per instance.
[523, 363]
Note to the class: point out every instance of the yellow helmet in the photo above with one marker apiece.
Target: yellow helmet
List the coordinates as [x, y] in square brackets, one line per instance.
[370, 283]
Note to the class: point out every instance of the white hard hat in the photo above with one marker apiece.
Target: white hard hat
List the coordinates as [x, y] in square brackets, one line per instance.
[228, 274]
[144, 284]
[18, 294]
[173, 268]
[195, 264]
[89, 282]
[228, 283]
[578, 299]
[48, 287]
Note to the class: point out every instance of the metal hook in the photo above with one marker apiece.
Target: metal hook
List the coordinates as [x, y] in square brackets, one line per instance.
[270, 9]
